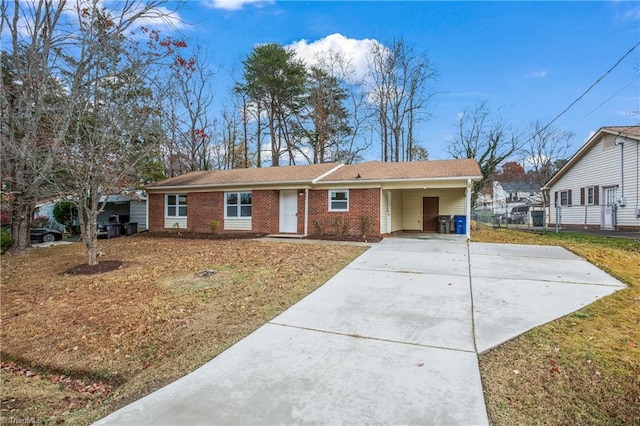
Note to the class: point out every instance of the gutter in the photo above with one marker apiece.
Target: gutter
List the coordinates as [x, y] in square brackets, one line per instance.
[381, 181]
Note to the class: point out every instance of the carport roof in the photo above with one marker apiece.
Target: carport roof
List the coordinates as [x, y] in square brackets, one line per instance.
[372, 171]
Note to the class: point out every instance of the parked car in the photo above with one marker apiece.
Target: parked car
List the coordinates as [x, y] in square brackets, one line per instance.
[519, 214]
[45, 235]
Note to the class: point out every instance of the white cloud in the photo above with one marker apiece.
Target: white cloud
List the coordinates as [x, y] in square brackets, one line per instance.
[233, 4]
[459, 116]
[536, 74]
[355, 51]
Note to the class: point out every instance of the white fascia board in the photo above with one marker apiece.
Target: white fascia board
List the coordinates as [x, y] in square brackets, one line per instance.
[383, 181]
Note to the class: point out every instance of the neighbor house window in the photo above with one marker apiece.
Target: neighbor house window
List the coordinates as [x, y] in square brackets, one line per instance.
[237, 204]
[591, 195]
[565, 198]
[176, 205]
[339, 201]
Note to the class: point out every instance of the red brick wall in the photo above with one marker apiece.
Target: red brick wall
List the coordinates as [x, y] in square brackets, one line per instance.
[204, 207]
[156, 212]
[363, 203]
[264, 211]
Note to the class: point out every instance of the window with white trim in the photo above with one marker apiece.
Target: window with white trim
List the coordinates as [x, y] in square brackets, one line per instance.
[339, 200]
[590, 195]
[176, 205]
[237, 204]
[565, 198]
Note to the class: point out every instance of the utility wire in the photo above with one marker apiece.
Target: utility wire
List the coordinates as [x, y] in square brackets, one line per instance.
[583, 94]
[605, 101]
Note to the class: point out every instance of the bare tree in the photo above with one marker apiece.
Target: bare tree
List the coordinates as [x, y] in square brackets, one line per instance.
[401, 93]
[487, 140]
[114, 112]
[545, 151]
[191, 81]
[33, 121]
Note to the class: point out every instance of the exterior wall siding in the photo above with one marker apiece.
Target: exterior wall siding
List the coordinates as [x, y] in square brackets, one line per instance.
[138, 214]
[600, 166]
[451, 202]
[365, 204]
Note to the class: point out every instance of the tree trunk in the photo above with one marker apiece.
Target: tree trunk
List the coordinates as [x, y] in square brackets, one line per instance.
[89, 229]
[20, 227]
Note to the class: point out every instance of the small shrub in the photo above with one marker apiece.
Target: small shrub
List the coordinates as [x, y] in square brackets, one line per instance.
[5, 239]
[176, 225]
[366, 225]
[64, 212]
[341, 226]
[214, 225]
[318, 227]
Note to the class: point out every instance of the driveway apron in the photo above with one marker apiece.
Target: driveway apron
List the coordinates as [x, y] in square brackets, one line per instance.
[391, 339]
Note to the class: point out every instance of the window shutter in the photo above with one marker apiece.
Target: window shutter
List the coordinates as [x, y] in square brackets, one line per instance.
[555, 198]
[582, 196]
[569, 199]
[596, 195]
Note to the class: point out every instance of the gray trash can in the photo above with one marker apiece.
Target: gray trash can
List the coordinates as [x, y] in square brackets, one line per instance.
[130, 228]
[444, 224]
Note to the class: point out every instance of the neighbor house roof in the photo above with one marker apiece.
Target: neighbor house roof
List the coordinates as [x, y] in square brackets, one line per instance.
[629, 132]
[413, 170]
[324, 173]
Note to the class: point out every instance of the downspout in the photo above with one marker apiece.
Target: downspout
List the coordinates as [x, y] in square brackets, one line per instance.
[306, 212]
[468, 207]
[146, 211]
[621, 201]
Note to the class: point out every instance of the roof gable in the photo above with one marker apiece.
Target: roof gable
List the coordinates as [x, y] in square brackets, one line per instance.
[628, 132]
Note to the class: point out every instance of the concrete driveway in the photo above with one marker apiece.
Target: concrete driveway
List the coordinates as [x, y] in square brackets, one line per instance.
[391, 339]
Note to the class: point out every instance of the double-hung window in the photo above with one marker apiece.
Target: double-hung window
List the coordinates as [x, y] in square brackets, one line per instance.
[339, 200]
[565, 198]
[237, 204]
[590, 195]
[176, 205]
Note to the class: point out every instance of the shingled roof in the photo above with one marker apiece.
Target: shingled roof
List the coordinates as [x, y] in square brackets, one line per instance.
[414, 170]
[256, 176]
[327, 172]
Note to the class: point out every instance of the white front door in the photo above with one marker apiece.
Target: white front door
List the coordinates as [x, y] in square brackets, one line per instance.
[608, 210]
[289, 211]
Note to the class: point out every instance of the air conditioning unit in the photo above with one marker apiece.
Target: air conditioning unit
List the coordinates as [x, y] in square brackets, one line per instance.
[637, 211]
[622, 201]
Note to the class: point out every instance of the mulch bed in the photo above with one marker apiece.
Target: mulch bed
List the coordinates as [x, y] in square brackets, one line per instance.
[100, 268]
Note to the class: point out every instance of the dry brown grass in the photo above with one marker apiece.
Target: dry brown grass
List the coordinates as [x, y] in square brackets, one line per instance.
[583, 368]
[142, 326]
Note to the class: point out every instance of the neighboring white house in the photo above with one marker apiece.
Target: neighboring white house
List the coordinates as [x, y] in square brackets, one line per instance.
[131, 206]
[501, 197]
[599, 187]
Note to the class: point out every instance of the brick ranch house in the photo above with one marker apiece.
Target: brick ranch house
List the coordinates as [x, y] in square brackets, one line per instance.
[372, 198]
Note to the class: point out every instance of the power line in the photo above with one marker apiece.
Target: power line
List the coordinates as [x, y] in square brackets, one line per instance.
[583, 94]
[605, 101]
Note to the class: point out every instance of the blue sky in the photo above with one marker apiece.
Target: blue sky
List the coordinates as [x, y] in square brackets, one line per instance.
[528, 60]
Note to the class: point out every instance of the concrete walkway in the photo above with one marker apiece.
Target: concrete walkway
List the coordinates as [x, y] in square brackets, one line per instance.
[391, 339]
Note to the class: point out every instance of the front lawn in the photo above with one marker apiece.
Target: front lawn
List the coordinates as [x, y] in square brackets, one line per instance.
[583, 368]
[76, 347]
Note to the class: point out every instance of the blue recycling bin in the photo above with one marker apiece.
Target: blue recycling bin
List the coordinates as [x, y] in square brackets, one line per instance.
[460, 223]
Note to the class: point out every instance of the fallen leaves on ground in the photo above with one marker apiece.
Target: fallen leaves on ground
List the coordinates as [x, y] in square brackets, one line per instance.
[139, 327]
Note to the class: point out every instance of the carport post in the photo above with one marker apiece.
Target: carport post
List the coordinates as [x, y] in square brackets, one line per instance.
[468, 205]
